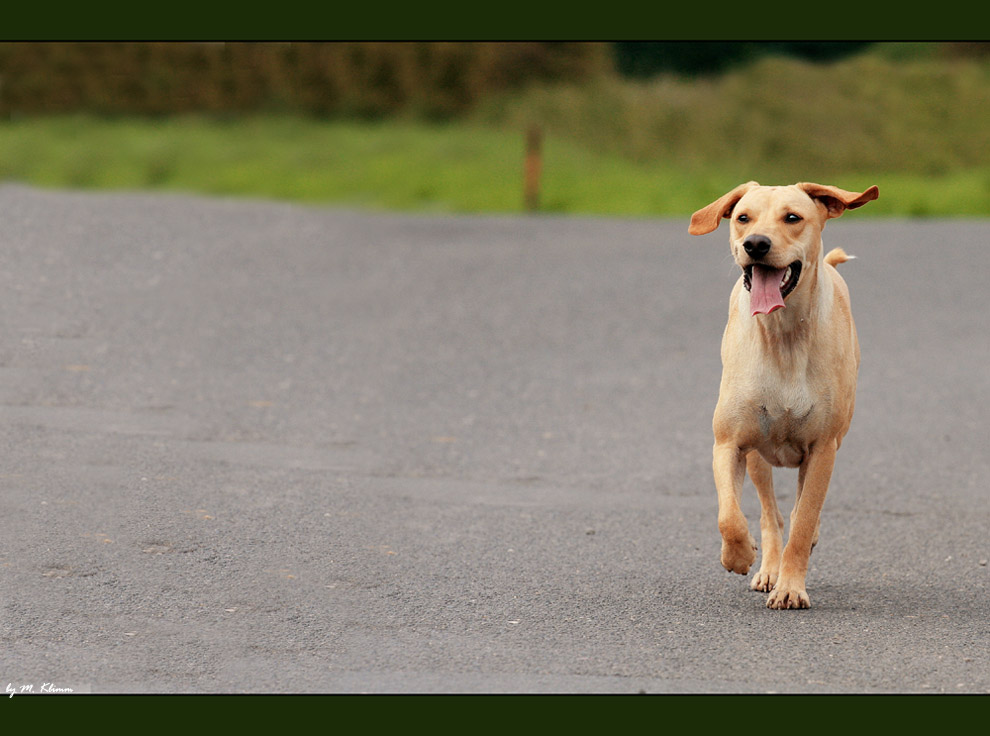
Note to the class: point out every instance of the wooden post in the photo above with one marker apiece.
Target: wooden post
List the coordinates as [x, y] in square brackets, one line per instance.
[534, 165]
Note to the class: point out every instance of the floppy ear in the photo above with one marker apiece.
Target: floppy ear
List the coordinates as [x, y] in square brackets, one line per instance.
[837, 200]
[708, 218]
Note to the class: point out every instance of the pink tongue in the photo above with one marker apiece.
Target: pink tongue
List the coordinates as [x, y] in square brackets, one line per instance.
[765, 289]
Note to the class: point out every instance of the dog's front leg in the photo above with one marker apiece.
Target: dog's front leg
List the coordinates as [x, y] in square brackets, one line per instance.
[817, 472]
[738, 547]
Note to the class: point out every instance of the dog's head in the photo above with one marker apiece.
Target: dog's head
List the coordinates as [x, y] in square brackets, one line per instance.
[775, 233]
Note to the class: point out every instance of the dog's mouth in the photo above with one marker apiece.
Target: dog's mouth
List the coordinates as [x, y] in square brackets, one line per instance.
[768, 287]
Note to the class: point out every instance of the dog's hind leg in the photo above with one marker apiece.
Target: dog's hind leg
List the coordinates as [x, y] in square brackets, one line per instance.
[771, 523]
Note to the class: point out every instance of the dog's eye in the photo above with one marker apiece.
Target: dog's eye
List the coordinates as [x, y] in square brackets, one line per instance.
[742, 218]
[791, 217]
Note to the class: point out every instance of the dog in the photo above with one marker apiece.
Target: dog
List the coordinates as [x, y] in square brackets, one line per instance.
[790, 358]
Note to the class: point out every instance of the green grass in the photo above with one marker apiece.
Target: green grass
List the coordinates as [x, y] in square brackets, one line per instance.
[388, 166]
[457, 168]
[393, 166]
[917, 128]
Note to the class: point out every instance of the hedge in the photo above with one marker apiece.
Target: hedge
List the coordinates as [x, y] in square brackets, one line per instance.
[366, 79]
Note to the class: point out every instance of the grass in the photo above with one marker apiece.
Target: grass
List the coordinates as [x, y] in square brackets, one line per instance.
[917, 128]
[389, 166]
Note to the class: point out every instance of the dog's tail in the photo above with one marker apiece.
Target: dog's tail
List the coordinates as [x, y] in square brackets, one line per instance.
[836, 256]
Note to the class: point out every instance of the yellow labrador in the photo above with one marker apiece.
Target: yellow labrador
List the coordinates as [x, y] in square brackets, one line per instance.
[789, 362]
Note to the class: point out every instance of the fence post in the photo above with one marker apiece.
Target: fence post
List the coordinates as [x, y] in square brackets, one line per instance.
[534, 166]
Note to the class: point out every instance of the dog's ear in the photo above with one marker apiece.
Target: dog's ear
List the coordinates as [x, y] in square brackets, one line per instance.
[837, 200]
[708, 218]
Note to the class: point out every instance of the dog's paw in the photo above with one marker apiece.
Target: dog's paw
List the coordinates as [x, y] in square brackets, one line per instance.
[738, 556]
[763, 581]
[783, 596]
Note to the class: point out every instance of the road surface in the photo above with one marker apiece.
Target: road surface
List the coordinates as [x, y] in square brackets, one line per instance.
[252, 447]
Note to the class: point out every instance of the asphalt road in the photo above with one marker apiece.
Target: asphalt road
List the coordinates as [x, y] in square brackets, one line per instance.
[253, 447]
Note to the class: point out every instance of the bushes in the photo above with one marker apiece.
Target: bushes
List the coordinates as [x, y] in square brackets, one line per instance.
[644, 59]
[431, 79]
[778, 118]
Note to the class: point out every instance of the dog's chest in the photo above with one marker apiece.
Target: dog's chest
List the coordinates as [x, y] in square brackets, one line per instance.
[786, 421]
[777, 412]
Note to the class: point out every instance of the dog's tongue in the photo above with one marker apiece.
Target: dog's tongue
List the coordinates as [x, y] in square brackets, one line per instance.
[765, 294]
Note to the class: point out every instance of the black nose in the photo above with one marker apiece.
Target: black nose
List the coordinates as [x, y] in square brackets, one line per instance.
[757, 246]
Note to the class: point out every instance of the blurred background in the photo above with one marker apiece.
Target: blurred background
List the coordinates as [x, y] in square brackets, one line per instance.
[616, 128]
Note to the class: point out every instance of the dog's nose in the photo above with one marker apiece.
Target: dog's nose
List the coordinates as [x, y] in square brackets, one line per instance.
[757, 246]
